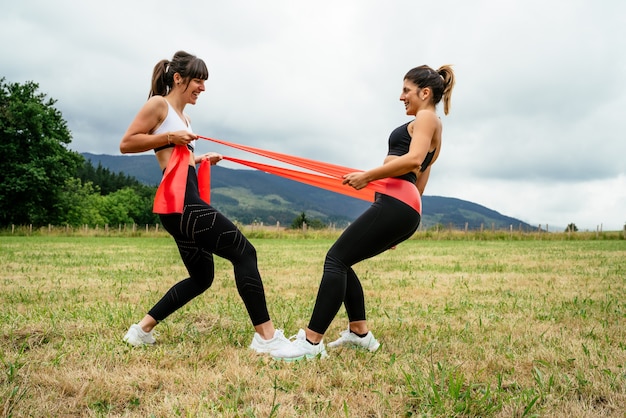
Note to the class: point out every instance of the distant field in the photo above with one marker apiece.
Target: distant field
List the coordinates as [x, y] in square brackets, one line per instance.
[472, 325]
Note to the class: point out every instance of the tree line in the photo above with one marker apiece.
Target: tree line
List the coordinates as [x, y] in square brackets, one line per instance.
[43, 182]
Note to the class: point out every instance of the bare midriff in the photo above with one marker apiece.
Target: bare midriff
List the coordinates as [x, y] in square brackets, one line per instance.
[164, 155]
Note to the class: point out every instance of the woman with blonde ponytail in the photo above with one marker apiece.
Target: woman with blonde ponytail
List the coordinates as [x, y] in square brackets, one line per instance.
[413, 149]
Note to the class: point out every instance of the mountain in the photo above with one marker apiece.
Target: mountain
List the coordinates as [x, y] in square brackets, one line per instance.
[250, 195]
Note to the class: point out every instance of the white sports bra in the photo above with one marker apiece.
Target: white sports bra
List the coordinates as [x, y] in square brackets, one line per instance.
[173, 122]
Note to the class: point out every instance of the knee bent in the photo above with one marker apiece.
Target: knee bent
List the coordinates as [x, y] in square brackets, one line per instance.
[334, 265]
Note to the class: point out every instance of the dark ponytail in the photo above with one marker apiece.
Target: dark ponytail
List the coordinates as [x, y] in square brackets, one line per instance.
[187, 65]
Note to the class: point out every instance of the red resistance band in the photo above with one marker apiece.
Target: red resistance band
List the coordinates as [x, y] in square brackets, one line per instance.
[170, 195]
[332, 180]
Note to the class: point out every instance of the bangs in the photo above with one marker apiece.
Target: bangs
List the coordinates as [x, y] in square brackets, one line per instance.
[197, 69]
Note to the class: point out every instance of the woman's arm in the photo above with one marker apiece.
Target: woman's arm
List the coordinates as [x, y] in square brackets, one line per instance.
[138, 136]
[424, 128]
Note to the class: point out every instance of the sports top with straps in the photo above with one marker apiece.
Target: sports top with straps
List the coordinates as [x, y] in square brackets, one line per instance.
[399, 142]
[171, 123]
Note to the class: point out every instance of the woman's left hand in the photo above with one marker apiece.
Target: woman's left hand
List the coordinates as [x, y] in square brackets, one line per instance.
[213, 157]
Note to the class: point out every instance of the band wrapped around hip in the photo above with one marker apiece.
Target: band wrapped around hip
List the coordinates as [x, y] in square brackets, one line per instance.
[170, 196]
[403, 190]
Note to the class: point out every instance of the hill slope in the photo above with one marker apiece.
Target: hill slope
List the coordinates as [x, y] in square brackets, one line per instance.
[250, 195]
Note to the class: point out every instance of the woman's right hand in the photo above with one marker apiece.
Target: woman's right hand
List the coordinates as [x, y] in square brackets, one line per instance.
[358, 180]
[181, 137]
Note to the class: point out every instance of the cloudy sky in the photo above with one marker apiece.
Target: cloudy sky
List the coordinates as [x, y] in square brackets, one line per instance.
[535, 131]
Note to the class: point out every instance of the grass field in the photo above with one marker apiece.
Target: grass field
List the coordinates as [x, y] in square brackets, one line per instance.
[469, 328]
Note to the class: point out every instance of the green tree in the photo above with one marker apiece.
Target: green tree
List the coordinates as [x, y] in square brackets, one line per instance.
[82, 203]
[79, 204]
[118, 207]
[37, 164]
[310, 223]
[299, 221]
[571, 228]
[142, 211]
[106, 182]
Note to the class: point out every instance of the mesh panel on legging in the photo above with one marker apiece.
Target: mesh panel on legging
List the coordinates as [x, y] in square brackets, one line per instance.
[386, 223]
[200, 232]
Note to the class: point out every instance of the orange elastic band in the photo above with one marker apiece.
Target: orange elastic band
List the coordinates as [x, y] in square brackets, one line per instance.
[333, 179]
[170, 196]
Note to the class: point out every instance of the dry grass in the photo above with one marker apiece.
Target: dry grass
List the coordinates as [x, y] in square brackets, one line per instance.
[482, 328]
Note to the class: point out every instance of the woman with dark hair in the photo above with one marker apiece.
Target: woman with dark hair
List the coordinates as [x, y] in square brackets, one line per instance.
[413, 149]
[200, 231]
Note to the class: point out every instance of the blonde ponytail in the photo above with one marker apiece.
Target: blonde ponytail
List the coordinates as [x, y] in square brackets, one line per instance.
[445, 71]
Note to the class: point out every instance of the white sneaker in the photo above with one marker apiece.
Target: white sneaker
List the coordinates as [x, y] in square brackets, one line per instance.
[136, 336]
[350, 338]
[300, 349]
[265, 346]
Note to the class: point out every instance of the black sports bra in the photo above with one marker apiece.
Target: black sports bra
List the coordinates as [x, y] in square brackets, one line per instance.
[399, 142]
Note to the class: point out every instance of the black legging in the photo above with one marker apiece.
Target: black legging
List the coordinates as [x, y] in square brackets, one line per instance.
[200, 232]
[386, 223]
